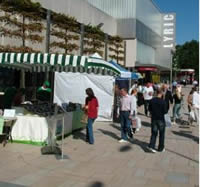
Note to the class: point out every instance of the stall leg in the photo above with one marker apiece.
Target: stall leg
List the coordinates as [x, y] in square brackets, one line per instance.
[63, 125]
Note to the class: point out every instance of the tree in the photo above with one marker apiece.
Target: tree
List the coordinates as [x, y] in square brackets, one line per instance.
[27, 27]
[93, 40]
[187, 56]
[116, 47]
[65, 29]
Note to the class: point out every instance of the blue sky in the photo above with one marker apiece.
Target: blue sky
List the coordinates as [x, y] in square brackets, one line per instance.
[187, 17]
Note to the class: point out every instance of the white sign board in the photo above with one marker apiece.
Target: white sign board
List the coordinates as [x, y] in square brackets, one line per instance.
[9, 113]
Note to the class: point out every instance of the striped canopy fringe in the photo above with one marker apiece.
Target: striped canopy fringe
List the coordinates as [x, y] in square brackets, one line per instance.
[39, 62]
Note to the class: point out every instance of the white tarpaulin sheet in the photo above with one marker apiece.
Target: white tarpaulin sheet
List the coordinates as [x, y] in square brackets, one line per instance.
[70, 87]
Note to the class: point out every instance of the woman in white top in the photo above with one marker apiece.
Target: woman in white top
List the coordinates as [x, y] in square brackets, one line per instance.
[134, 104]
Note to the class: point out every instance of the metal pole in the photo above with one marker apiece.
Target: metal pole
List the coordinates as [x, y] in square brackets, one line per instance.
[48, 30]
[106, 47]
[63, 129]
[124, 53]
[171, 68]
[48, 38]
[22, 79]
[82, 39]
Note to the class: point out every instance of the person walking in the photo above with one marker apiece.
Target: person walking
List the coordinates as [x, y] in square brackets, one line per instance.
[134, 105]
[189, 99]
[140, 96]
[116, 104]
[125, 112]
[177, 104]
[148, 95]
[91, 106]
[167, 96]
[195, 103]
[157, 108]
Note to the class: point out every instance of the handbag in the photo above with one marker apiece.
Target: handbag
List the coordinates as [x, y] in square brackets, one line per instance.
[84, 118]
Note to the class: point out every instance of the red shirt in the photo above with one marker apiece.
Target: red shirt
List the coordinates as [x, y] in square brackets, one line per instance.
[93, 108]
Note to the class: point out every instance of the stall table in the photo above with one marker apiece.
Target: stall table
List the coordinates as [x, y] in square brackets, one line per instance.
[33, 129]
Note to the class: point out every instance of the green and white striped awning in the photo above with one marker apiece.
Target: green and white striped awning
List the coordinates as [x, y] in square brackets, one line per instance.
[39, 62]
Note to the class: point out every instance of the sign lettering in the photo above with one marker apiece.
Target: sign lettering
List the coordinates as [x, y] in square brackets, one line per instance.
[168, 38]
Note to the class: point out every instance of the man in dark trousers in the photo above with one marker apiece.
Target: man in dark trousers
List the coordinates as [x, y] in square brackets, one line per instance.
[125, 112]
[167, 96]
[157, 108]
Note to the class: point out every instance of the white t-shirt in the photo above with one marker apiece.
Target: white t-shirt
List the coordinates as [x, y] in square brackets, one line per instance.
[146, 93]
[134, 103]
[133, 87]
[195, 83]
[195, 99]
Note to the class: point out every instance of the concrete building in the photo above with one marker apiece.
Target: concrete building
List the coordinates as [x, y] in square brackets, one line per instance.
[148, 34]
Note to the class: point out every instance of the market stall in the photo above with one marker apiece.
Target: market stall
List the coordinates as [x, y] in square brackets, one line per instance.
[37, 62]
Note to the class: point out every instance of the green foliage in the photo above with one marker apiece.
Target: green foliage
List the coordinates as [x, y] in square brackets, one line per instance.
[116, 48]
[26, 27]
[65, 28]
[187, 56]
[93, 40]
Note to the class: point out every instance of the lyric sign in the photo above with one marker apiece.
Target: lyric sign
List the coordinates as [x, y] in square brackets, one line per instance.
[169, 30]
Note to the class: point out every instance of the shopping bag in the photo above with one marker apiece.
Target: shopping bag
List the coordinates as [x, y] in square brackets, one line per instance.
[84, 118]
[139, 125]
[134, 123]
[192, 115]
[168, 122]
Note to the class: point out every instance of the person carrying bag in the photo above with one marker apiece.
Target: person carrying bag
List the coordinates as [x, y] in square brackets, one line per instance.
[135, 121]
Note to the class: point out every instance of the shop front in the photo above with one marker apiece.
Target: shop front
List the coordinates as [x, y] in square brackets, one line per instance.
[150, 74]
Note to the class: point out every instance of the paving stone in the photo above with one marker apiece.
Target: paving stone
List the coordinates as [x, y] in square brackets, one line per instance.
[139, 172]
[107, 162]
[177, 178]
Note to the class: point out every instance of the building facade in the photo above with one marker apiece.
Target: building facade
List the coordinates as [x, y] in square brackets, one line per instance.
[148, 34]
[146, 31]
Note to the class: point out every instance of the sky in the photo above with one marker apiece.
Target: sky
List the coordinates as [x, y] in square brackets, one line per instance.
[187, 17]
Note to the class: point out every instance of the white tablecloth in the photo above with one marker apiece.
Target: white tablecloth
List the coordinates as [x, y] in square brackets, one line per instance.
[35, 128]
[30, 128]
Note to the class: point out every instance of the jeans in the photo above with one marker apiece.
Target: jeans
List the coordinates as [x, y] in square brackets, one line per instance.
[176, 111]
[89, 131]
[157, 125]
[125, 125]
[146, 106]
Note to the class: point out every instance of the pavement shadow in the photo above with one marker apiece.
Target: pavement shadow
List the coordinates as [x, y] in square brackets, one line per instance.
[59, 157]
[184, 127]
[111, 134]
[125, 148]
[186, 135]
[79, 135]
[96, 184]
[146, 124]
[182, 122]
[116, 127]
[186, 157]
[139, 113]
[6, 184]
[143, 145]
